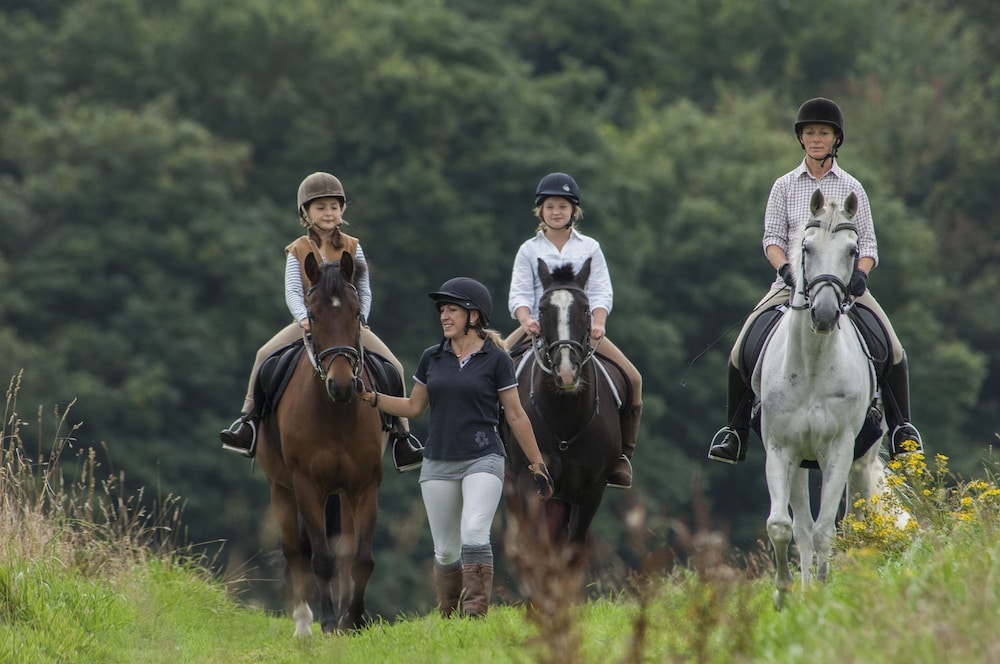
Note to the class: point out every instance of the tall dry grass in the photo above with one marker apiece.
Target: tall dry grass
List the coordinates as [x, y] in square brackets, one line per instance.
[55, 504]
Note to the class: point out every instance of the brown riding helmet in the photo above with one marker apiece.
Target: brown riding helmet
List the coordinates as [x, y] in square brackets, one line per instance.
[320, 185]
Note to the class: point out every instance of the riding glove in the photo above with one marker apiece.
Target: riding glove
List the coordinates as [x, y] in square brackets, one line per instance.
[542, 478]
[786, 275]
[859, 282]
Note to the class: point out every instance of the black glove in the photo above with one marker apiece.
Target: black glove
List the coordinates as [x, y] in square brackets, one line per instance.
[546, 487]
[859, 282]
[785, 271]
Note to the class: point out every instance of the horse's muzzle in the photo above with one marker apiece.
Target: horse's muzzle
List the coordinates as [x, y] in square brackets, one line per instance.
[343, 391]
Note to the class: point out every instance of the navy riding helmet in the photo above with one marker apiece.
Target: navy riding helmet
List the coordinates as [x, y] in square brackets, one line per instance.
[468, 294]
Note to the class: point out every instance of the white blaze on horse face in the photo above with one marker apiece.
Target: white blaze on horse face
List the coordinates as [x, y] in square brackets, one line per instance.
[335, 301]
[562, 364]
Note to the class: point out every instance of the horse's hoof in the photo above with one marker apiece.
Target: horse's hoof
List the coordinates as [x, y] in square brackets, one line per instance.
[779, 600]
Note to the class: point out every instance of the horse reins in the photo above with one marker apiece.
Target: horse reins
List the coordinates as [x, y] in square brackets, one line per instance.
[582, 349]
[564, 443]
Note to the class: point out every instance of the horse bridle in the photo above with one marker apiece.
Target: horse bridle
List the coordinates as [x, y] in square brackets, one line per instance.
[544, 363]
[355, 355]
[579, 349]
[844, 297]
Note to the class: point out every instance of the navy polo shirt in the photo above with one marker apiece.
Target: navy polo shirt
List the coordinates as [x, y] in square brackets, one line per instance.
[464, 401]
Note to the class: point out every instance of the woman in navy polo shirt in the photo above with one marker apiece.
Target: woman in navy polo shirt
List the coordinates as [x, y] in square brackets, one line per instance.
[465, 379]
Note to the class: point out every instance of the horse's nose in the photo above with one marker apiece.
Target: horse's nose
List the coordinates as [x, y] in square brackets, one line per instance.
[825, 318]
[340, 391]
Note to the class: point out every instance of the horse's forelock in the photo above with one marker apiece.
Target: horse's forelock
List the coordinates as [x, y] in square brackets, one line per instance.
[563, 274]
[332, 281]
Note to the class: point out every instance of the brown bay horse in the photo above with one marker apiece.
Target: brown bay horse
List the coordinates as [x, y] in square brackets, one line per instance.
[321, 447]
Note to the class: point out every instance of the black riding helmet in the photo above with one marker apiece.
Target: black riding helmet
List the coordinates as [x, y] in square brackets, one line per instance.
[557, 184]
[820, 110]
[468, 294]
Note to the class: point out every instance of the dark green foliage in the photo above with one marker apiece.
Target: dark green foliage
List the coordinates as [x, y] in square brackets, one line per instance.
[149, 155]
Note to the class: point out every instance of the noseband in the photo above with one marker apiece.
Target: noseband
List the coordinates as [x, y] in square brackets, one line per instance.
[844, 299]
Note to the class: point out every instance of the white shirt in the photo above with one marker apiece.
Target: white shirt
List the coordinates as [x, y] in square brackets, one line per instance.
[526, 287]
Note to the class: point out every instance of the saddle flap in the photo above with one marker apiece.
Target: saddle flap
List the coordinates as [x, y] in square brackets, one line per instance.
[273, 376]
[385, 378]
[875, 337]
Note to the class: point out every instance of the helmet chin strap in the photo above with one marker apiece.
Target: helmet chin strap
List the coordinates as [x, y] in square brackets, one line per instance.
[568, 224]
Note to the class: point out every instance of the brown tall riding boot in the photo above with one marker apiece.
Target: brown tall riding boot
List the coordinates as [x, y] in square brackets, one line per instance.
[621, 475]
[478, 581]
[448, 588]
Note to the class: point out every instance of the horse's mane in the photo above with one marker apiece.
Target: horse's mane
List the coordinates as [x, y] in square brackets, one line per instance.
[563, 274]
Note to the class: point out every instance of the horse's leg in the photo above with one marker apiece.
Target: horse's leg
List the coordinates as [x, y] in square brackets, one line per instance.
[834, 483]
[580, 518]
[779, 524]
[312, 507]
[297, 575]
[364, 513]
[864, 479]
[330, 612]
[802, 522]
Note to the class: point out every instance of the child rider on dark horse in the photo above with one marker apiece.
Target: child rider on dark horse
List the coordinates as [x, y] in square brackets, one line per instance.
[558, 242]
[321, 206]
[819, 127]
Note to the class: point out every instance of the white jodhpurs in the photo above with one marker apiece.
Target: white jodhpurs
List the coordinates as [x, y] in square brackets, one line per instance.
[460, 512]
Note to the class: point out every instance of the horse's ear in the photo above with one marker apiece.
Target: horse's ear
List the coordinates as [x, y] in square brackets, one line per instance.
[584, 273]
[816, 202]
[851, 205]
[543, 274]
[312, 268]
[347, 266]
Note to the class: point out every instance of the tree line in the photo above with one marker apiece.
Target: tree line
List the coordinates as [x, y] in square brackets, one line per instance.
[150, 152]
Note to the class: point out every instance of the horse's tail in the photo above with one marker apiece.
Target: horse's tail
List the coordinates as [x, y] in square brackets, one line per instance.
[890, 492]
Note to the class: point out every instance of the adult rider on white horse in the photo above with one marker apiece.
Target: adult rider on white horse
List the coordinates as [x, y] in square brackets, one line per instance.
[819, 127]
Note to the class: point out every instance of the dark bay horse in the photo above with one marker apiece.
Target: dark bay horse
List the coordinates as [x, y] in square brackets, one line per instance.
[573, 399]
[322, 444]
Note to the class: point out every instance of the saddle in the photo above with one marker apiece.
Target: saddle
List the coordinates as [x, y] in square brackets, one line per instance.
[276, 371]
[875, 340]
[869, 328]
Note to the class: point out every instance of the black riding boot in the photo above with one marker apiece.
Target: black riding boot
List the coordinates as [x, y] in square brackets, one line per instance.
[407, 452]
[241, 436]
[730, 443]
[621, 474]
[903, 436]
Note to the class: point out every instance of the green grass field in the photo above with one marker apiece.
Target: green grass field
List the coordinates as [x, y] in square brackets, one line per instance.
[86, 576]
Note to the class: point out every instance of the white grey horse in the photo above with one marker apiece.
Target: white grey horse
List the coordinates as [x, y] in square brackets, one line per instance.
[815, 384]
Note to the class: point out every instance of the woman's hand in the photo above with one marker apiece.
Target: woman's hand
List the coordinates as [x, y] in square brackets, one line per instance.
[370, 397]
[546, 487]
